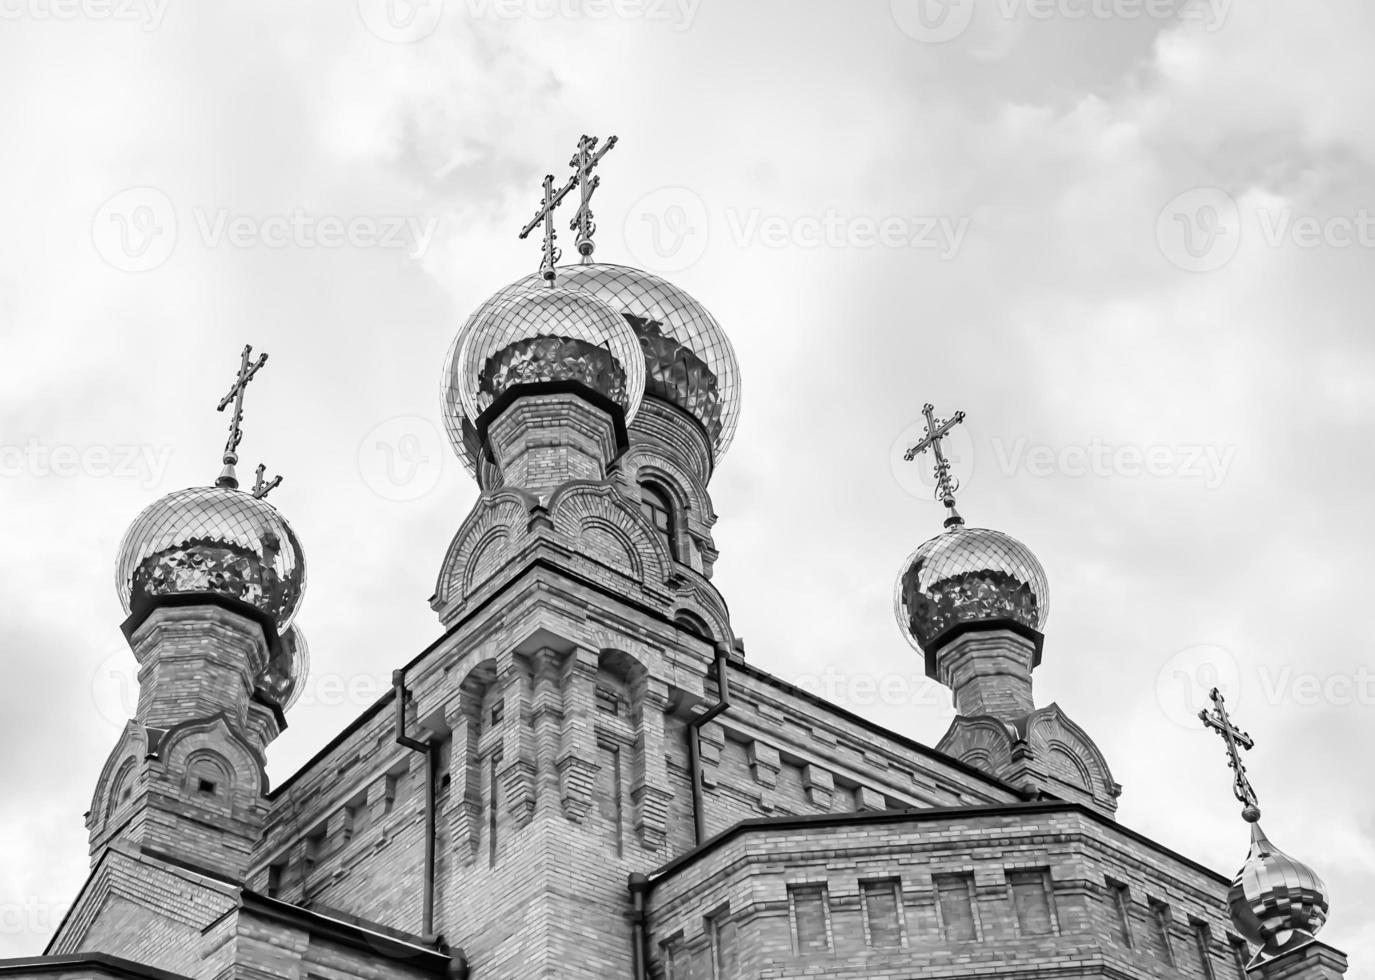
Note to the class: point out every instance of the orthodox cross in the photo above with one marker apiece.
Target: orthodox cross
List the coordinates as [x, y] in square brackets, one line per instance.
[1236, 740]
[247, 370]
[262, 488]
[946, 484]
[583, 161]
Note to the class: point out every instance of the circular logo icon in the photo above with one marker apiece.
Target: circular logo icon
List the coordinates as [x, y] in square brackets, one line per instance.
[917, 476]
[135, 230]
[114, 686]
[667, 230]
[933, 21]
[402, 459]
[1185, 682]
[1200, 230]
[401, 21]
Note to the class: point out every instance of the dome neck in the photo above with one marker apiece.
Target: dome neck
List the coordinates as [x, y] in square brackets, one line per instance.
[541, 436]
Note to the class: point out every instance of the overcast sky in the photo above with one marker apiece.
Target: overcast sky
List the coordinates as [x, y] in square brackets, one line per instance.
[1130, 241]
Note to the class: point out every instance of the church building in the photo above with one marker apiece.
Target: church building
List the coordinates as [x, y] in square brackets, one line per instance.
[584, 776]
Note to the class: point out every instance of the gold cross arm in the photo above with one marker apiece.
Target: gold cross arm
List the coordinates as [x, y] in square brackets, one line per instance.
[261, 487]
[946, 484]
[1236, 740]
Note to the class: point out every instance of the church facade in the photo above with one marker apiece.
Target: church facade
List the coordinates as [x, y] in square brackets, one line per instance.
[584, 776]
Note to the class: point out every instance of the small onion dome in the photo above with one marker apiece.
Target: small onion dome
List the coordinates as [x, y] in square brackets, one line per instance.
[217, 540]
[969, 575]
[282, 681]
[544, 335]
[689, 361]
[1275, 901]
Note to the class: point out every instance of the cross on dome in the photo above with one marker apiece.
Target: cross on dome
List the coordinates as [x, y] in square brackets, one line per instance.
[946, 484]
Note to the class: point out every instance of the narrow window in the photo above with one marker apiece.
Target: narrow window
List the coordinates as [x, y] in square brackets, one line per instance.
[882, 911]
[1159, 926]
[607, 789]
[1241, 955]
[493, 801]
[315, 846]
[725, 954]
[274, 878]
[1117, 894]
[955, 904]
[498, 712]
[206, 787]
[1031, 902]
[674, 955]
[808, 906]
[658, 510]
[1202, 939]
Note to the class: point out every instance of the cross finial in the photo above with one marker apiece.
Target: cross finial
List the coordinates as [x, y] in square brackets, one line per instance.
[262, 488]
[1236, 740]
[247, 370]
[946, 484]
[586, 157]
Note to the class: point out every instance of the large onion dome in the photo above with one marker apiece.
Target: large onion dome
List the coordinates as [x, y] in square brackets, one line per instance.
[1275, 900]
[283, 680]
[969, 575]
[217, 540]
[688, 360]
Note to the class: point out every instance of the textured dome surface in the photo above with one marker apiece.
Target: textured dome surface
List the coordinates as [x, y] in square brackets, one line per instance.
[541, 335]
[284, 677]
[213, 539]
[689, 361]
[1274, 897]
[969, 575]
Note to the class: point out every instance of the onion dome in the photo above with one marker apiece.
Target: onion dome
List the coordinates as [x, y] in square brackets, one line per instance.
[536, 336]
[688, 360]
[217, 540]
[969, 575]
[1276, 902]
[282, 681]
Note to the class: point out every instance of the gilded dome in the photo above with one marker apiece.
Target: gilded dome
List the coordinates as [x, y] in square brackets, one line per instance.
[688, 359]
[282, 681]
[539, 335]
[1274, 899]
[969, 575]
[213, 539]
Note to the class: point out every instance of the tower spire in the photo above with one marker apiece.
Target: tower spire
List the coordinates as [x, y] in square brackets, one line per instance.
[247, 370]
[946, 483]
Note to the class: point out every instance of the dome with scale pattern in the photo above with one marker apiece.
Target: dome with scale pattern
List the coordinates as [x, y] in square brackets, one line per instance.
[1275, 901]
[969, 575]
[688, 360]
[217, 540]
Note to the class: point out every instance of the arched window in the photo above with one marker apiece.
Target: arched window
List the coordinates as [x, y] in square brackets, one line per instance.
[657, 507]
